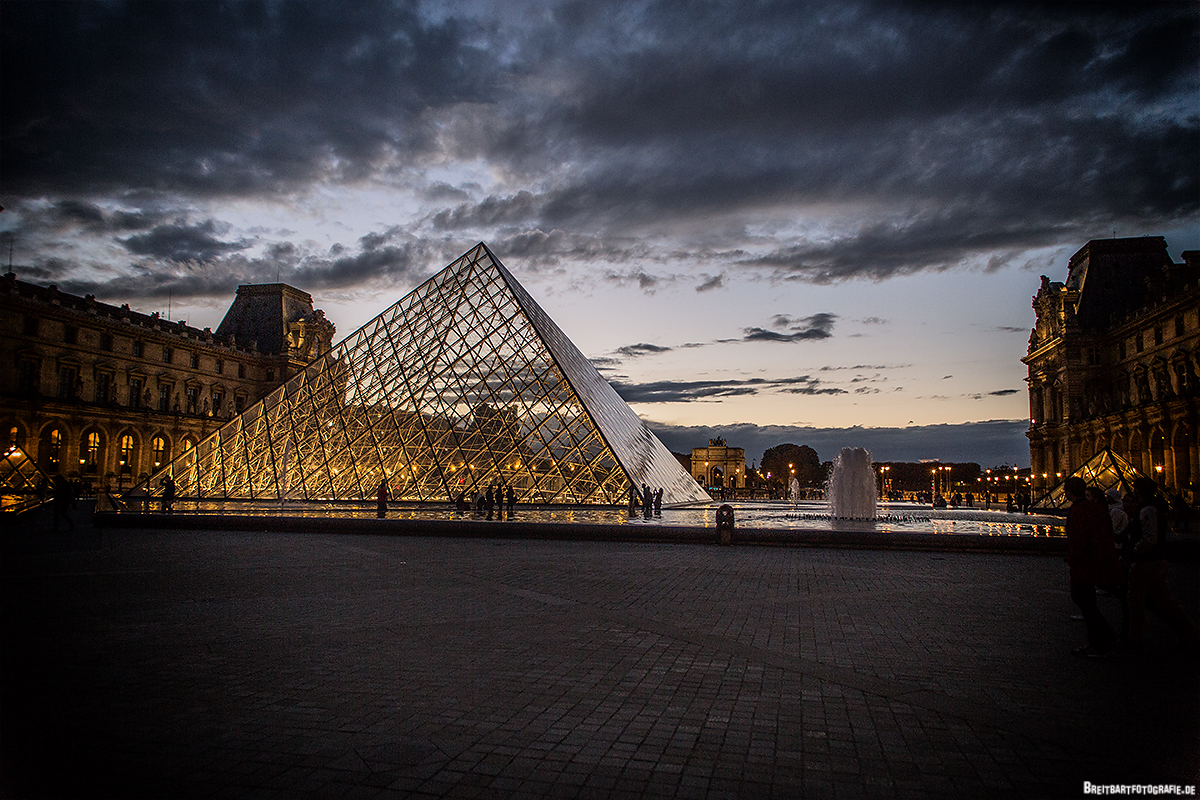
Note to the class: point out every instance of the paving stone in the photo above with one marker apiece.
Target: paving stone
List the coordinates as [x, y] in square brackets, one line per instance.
[210, 664]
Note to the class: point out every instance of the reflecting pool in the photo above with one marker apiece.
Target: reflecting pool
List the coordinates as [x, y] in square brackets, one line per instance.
[892, 517]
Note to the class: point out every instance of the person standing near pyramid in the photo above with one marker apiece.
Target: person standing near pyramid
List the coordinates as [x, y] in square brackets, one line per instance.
[381, 497]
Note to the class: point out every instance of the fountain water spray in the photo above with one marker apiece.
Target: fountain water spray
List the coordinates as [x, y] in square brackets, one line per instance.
[851, 489]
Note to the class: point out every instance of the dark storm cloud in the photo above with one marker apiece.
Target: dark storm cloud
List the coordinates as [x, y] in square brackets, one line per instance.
[182, 242]
[203, 266]
[986, 443]
[997, 393]
[816, 327]
[492, 211]
[67, 216]
[223, 97]
[682, 391]
[677, 391]
[974, 131]
[642, 349]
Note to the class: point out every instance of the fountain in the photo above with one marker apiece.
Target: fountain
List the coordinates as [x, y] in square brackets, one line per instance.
[851, 489]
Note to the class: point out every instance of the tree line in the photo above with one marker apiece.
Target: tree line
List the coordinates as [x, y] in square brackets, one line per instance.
[781, 462]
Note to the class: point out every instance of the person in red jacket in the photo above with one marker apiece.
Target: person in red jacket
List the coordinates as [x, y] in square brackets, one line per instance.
[381, 499]
[1092, 557]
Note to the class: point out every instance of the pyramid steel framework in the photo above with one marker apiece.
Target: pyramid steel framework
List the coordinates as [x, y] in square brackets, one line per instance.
[462, 384]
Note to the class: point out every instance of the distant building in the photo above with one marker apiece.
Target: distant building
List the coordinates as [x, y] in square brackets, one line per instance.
[1113, 361]
[719, 465]
[107, 394]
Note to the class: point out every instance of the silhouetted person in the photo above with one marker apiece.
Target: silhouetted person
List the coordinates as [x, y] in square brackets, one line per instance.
[633, 499]
[658, 501]
[168, 495]
[381, 499]
[647, 500]
[489, 501]
[512, 500]
[1092, 557]
[1149, 572]
[61, 501]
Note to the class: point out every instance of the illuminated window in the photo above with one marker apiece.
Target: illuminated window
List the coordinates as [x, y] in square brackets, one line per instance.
[52, 449]
[158, 449]
[126, 454]
[91, 453]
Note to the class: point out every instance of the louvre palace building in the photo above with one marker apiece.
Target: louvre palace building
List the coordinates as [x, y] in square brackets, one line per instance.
[1113, 364]
[108, 395]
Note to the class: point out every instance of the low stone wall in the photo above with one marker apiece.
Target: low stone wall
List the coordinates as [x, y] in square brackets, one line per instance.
[516, 529]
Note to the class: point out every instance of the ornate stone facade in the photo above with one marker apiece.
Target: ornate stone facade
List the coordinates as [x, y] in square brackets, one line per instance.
[1113, 361]
[719, 465]
[107, 394]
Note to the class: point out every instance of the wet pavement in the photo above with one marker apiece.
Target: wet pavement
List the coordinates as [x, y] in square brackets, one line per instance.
[182, 663]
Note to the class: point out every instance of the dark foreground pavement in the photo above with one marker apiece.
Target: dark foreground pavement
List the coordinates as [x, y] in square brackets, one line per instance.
[241, 664]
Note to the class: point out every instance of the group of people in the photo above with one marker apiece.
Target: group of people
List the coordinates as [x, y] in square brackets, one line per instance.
[493, 501]
[649, 499]
[1117, 544]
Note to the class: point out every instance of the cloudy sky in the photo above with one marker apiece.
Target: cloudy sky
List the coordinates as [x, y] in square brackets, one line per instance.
[809, 222]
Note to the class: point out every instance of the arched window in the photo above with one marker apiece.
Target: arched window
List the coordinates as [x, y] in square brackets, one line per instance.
[126, 455]
[158, 448]
[51, 450]
[91, 453]
[14, 438]
[188, 444]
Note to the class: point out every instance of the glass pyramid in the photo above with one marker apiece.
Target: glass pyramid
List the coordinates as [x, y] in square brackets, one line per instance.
[462, 384]
[1105, 470]
[22, 484]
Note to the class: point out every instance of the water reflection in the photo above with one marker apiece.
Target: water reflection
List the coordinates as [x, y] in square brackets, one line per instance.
[893, 517]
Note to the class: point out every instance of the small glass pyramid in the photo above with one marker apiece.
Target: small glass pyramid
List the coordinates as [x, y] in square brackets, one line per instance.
[463, 384]
[22, 484]
[1105, 470]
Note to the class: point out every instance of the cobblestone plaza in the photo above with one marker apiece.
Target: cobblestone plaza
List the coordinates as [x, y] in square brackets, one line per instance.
[222, 664]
